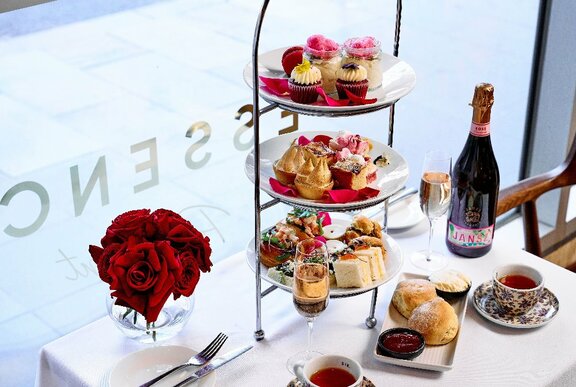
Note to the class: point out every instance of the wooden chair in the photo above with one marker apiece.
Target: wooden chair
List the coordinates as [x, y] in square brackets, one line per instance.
[526, 191]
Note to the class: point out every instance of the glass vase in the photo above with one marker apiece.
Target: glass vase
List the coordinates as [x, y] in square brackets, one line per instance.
[171, 320]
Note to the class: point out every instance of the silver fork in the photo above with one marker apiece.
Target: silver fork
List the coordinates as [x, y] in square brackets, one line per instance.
[199, 359]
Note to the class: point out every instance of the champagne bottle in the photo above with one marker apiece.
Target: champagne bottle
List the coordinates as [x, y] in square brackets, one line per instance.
[475, 184]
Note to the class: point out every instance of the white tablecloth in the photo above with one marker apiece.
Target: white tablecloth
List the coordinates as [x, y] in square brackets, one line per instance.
[487, 354]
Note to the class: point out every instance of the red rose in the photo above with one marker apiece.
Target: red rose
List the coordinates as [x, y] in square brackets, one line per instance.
[190, 275]
[202, 251]
[144, 276]
[102, 258]
[131, 223]
[183, 236]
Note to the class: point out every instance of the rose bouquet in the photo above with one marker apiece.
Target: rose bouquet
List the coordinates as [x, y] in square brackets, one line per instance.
[146, 257]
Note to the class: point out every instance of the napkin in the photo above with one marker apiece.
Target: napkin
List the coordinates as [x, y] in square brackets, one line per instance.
[279, 87]
[350, 195]
[331, 196]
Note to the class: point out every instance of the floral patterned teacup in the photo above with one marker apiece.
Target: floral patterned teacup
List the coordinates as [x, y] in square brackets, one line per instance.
[521, 289]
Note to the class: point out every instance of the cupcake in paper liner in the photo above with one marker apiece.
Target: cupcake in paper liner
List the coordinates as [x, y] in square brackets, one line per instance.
[352, 77]
[303, 82]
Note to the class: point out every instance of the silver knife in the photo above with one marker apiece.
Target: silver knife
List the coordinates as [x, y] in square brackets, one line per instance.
[217, 362]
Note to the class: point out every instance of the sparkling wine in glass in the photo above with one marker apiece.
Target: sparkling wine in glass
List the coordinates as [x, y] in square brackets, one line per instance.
[435, 189]
[310, 291]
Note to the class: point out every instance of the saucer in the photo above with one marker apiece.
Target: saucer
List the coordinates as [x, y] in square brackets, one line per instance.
[297, 383]
[542, 313]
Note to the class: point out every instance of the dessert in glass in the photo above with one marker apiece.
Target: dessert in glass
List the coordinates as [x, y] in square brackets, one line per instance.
[324, 53]
[365, 52]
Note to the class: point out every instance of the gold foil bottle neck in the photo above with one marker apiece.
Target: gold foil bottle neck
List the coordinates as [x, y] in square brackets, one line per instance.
[482, 102]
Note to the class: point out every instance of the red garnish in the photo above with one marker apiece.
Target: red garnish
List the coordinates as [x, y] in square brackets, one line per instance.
[348, 256]
[324, 139]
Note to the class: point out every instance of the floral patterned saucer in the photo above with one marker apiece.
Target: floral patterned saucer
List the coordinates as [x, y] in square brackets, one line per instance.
[297, 383]
[542, 313]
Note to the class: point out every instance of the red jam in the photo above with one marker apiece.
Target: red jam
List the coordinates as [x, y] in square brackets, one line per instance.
[332, 377]
[402, 342]
[517, 281]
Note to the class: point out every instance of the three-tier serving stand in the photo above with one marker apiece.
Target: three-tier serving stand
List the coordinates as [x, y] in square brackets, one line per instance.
[258, 206]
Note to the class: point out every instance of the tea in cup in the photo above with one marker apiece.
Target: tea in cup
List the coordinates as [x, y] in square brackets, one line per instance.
[517, 288]
[331, 371]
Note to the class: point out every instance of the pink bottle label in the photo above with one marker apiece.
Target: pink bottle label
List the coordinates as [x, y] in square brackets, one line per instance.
[480, 130]
[473, 238]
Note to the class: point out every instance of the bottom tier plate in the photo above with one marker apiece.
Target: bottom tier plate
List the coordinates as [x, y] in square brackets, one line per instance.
[393, 263]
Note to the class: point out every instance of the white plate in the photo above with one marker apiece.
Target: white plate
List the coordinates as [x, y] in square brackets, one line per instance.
[434, 357]
[142, 366]
[389, 179]
[272, 60]
[398, 80]
[404, 214]
[393, 263]
[541, 314]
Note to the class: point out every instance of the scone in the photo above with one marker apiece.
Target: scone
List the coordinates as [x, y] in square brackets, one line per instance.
[436, 320]
[313, 180]
[411, 293]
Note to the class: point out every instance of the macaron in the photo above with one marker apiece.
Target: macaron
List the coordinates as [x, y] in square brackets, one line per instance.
[291, 58]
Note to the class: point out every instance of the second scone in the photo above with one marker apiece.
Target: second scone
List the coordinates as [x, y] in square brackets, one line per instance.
[436, 320]
[411, 293]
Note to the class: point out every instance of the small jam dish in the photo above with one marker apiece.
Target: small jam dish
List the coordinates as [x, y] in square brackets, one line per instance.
[401, 343]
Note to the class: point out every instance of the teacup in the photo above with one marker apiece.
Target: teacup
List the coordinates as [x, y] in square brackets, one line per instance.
[336, 365]
[516, 288]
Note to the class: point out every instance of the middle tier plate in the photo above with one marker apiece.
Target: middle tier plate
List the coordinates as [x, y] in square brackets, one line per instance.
[389, 180]
[393, 263]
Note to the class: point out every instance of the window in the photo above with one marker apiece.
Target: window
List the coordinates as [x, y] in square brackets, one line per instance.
[96, 104]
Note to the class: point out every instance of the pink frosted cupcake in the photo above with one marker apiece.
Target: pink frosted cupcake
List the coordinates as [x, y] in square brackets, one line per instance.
[352, 77]
[303, 82]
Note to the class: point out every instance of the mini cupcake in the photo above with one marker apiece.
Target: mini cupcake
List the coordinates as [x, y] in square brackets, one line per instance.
[303, 82]
[352, 77]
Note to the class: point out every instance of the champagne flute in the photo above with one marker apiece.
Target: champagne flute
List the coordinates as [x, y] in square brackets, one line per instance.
[310, 291]
[435, 187]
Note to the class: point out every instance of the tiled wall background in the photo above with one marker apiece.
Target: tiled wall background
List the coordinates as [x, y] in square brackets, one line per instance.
[110, 86]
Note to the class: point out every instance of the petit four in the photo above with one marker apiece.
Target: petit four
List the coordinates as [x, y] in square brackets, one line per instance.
[313, 180]
[291, 58]
[352, 77]
[303, 82]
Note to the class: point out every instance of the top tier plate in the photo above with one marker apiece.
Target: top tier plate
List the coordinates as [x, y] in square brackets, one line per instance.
[398, 80]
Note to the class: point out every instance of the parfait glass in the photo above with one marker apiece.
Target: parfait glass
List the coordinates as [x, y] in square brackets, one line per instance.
[435, 188]
[310, 291]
